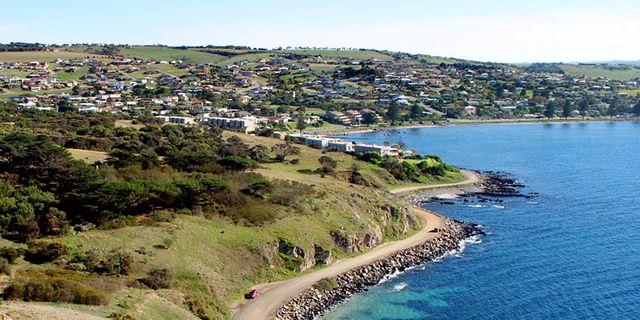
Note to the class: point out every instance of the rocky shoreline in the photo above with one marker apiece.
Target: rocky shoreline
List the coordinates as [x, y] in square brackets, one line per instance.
[494, 187]
[314, 302]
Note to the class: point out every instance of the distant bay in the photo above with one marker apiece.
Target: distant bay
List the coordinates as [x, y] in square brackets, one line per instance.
[571, 253]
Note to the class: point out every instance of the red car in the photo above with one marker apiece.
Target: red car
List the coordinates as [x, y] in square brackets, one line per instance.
[252, 294]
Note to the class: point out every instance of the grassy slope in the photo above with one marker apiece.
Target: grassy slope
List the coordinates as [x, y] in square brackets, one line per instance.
[168, 54]
[43, 56]
[214, 259]
[597, 71]
[251, 57]
[355, 54]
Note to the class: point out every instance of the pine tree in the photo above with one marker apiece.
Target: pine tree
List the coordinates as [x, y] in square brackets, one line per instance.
[584, 106]
[566, 109]
[550, 110]
[393, 113]
[636, 108]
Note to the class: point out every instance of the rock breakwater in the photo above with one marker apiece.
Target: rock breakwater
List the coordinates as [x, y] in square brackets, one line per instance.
[317, 301]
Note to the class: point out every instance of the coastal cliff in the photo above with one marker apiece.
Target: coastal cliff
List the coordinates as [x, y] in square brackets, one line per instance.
[318, 300]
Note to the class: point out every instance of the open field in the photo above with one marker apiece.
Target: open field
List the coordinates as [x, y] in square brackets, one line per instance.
[632, 93]
[42, 56]
[598, 71]
[356, 54]
[19, 92]
[88, 156]
[250, 57]
[168, 54]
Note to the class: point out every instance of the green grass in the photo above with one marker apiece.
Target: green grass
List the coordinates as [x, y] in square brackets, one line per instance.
[314, 111]
[598, 71]
[156, 308]
[79, 73]
[14, 73]
[353, 54]
[251, 57]
[168, 54]
[321, 67]
[216, 261]
[19, 92]
[42, 56]
[631, 93]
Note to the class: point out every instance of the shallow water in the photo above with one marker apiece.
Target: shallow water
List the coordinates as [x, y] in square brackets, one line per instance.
[571, 253]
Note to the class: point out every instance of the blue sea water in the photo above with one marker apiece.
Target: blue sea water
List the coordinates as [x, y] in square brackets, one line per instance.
[571, 253]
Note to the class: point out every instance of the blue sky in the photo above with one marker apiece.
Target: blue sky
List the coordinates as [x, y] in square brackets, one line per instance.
[488, 30]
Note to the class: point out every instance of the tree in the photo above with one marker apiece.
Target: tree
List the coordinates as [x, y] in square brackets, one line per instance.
[416, 112]
[550, 110]
[636, 108]
[301, 124]
[613, 108]
[566, 108]
[369, 118]
[259, 153]
[584, 106]
[393, 113]
[283, 150]
[328, 164]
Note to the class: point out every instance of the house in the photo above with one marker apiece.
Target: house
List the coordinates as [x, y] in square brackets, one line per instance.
[319, 142]
[341, 146]
[246, 125]
[182, 120]
[382, 150]
[470, 110]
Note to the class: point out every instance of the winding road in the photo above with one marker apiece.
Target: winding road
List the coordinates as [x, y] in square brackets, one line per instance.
[276, 294]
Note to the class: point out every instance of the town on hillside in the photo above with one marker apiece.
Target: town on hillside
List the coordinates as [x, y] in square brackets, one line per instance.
[317, 90]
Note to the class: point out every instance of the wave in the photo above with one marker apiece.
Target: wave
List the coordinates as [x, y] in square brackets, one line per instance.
[498, 206]
[462, 245]
[475, 206]
[399, 287]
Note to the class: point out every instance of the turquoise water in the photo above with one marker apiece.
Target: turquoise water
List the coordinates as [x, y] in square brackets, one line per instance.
[571, 253]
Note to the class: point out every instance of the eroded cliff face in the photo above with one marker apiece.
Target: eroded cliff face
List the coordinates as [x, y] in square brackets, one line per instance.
[383, 218]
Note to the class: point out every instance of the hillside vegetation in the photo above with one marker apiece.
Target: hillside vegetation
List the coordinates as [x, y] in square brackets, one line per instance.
[150, 221]
[594, 71]
[169, 54]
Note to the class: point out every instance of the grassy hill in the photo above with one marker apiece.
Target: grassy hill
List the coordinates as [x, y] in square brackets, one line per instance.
[214, 260]
[594, 71]
[355, 54]
[42, 56]
[168, 54]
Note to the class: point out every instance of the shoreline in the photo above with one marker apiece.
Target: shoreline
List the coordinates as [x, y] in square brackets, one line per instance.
[360, 130]
[277, 295]
[313, 303]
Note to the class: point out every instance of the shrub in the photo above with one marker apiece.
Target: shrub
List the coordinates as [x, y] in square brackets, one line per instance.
[328, 164]
[44, 252]
[162, 216]
[158, 279]
[431, 156]
[395, 168]
[112, 263]
[11, 254]
[434, 170]
[5, 266]
[411, 171]
[371, 157]
[52, 286]
[325, 284]
[237, 163]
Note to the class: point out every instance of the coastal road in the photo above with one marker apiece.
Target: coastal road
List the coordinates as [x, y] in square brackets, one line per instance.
[471, 177]
[277, 294]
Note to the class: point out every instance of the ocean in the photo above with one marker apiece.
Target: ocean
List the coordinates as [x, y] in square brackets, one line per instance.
[573, 252]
